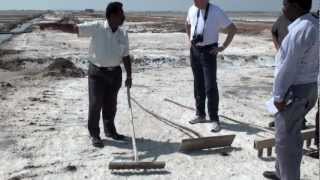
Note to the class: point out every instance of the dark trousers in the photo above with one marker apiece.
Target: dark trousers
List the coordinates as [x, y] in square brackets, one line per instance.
[204, 68]
[104, 86]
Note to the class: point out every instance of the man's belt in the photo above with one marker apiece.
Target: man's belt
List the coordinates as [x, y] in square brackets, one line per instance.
[106, 68]
[206, 47]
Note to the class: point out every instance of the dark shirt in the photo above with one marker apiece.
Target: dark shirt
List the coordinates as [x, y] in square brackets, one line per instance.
[280, 28]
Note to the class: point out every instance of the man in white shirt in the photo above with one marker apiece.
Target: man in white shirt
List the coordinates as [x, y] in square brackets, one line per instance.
[108, 48]
[204, 22]
[279, 32]
[295, 87]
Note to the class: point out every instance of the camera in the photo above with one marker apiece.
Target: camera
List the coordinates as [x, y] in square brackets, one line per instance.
[198, 38]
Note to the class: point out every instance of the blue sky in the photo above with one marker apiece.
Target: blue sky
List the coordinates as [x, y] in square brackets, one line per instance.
[142, 5]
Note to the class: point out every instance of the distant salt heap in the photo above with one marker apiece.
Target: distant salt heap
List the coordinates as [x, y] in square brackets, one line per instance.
[63, 67]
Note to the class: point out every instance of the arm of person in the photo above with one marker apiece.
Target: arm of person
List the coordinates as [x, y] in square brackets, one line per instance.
[287, 73]
[275, 41]
[231, 31]
[188, 25]
[87, 29]
[274, 33]
[227, 27]
[127, 59]
[128, 67]
[188, 30]
[68, 28]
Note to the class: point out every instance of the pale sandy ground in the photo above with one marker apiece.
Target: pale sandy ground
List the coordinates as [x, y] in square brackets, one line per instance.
[43, 119]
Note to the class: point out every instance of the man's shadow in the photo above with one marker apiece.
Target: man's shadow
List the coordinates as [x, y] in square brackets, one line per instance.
[147, 148]
[236, 126]
[174, 147]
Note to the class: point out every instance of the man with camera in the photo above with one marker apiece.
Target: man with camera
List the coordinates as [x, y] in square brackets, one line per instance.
[204, 22]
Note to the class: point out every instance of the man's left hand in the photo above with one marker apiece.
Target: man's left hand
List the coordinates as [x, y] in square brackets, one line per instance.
[280, 105]
[216, 50]
[129, 82]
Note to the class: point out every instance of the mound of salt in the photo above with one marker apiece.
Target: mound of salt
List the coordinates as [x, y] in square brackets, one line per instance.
[63, 67]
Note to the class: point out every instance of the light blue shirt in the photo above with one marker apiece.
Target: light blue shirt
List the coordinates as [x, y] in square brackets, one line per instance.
[297, 61]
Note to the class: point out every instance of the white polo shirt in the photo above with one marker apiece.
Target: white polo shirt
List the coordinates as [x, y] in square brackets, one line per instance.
[216, 21]
[106, 48]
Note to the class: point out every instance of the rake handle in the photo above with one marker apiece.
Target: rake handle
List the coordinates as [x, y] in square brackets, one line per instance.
[134, 146]
[136, 165]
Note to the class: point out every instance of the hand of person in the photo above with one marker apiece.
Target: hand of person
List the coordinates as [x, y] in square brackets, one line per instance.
[216, 50]
[128, 82]
[280, 105]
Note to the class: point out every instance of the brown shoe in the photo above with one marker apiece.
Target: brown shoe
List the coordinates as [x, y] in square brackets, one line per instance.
[97, 142]
[270, 175]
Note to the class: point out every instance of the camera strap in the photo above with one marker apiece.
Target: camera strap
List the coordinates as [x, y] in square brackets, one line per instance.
[205, 18]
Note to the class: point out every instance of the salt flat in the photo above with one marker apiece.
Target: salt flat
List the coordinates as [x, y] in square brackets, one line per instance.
[43, 118]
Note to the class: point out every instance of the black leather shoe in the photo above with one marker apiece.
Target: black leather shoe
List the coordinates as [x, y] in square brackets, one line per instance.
[271, 175]
[116, 136]
[271, 124]
[314, 154]
[304, 126]
[97, 142]
[111, 132]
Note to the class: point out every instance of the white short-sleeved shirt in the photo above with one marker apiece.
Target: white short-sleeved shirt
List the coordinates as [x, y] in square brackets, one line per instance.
[106, 48]
[216, 21]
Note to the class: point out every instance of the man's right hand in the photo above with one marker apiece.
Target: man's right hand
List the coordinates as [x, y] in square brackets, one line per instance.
[128, 82]
[280, 105]
[216, 50]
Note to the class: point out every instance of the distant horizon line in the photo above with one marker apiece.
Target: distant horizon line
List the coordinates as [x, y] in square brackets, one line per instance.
[99, 10]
